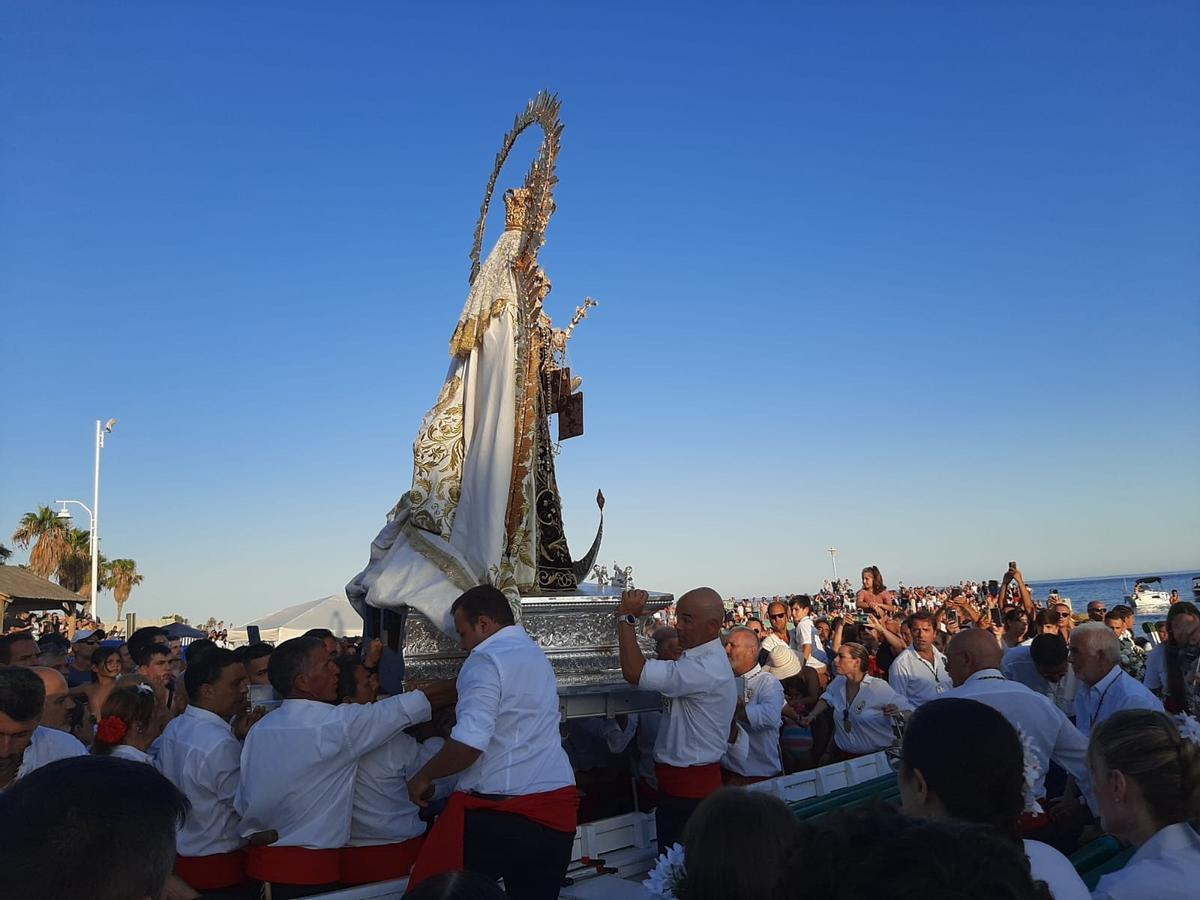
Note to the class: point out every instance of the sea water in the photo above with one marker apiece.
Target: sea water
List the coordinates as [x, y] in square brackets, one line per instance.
[1113, 590]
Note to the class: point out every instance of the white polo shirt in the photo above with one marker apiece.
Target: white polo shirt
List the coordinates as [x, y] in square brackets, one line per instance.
[865, 729]
[198, 753]
[806, 633]
[699, 697]
[916, 679]
[1114, 692]
[1049, 731]
[299, 763]
[48, 745]
[382, 813]
[760, 755]
[508, 709]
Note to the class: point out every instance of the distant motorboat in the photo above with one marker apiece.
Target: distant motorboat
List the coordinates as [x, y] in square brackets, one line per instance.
[1144, 596]
[1196, 585]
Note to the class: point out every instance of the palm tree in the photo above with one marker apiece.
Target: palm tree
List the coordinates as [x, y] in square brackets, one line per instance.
[48, 534]
[122, 576]
[75, 568]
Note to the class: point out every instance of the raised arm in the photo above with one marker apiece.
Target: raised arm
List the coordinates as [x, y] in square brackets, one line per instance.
[632, 660]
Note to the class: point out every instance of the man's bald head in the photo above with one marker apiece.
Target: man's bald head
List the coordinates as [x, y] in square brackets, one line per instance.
[971, 651]
[698, 617]
[57, 705]
[741, 646]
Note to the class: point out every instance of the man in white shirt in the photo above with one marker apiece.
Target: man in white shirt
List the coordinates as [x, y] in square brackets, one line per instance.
[514, 812]
[754, 755]
[200, 754]
[973, 662]
[298, 766]
[781, 657]
[1043, 668]
[699, 700]
[918, 674]
[1104, 687]
[25, 744]
[58, 704]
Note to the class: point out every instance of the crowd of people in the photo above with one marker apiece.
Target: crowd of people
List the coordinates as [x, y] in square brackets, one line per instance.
[1018, 734]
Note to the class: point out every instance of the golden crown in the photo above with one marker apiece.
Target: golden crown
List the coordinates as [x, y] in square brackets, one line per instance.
[520, 214]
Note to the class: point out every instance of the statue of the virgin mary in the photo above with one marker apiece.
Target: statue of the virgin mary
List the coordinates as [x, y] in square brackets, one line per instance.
[484, 506]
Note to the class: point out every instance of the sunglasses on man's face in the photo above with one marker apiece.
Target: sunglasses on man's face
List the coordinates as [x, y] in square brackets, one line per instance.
[778, 615]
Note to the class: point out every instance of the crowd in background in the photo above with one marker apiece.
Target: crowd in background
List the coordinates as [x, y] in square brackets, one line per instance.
[1019, 730]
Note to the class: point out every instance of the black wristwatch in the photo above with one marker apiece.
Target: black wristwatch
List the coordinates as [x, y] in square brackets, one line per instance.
[628, 619]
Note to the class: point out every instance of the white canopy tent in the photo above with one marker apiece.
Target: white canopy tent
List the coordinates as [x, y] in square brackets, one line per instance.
[333, 612]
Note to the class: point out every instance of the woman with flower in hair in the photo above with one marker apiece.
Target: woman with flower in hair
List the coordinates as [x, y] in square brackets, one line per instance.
[130, 721]
[1146, 775]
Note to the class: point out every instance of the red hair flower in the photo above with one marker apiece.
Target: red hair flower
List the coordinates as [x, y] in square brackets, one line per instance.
[111, 729]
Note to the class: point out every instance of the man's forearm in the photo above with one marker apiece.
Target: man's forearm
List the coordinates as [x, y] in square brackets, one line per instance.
[632, 660]
[454, 757]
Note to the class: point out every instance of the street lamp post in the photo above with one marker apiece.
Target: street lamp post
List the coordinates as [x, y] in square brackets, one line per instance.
[833, 556]
[93, 514]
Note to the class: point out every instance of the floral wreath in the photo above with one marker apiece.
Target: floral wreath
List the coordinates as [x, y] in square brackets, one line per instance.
[112, 729]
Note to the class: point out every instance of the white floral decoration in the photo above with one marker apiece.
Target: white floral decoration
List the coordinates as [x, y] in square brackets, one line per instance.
[144, 688]
[1189, 728]
[667, 875]
[1032, 773]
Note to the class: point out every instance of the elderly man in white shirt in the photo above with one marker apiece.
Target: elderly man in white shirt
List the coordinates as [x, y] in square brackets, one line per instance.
[514, 812]
[699, 701]
[1104, 687]
[973, 661]
[200, 754]
[1042, 667]
[298, 766]
[25, 744]
[918, 674]
[755, 754]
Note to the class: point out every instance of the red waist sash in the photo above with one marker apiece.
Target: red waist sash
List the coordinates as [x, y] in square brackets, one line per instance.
[443, 850]
[688, 782]
[382, 862]
[212, 872]
[1031, 821]
[292, 865]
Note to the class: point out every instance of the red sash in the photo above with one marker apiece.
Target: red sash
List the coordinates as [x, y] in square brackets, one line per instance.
[381, 862]
[688, 782]
[292, 865]
[1031, 821]
[443, 850]
[212, 872]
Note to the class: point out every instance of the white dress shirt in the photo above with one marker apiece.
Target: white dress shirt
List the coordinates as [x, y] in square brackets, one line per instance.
[383, 814]
[1155, 678]
[865, 729]
[198, 753]
[1166, 867]
[48, 745]
[299, 762]
[124, 751]
[1114, 692]
[916, 679]
[1050, 732]
[699, 697]
[760, 757]
[1048, 865]
[1018, 666]
[508, 709]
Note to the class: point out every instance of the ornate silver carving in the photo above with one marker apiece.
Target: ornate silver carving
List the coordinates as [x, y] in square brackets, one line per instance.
[577, 631]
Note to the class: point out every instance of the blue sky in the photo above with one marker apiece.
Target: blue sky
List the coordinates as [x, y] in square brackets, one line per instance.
[919, 281]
